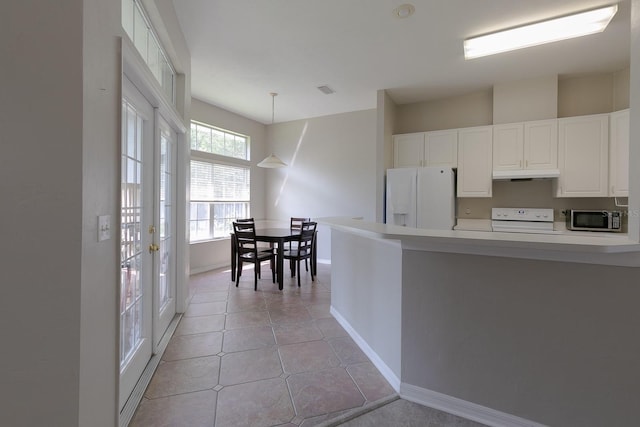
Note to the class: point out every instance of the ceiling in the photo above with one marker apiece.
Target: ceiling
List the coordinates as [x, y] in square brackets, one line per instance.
[241, 50]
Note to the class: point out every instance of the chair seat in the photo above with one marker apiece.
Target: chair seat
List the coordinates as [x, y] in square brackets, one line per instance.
[294, 253]
[262, 256]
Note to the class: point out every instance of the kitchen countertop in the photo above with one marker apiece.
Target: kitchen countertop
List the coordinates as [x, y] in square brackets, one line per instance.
[568, 246]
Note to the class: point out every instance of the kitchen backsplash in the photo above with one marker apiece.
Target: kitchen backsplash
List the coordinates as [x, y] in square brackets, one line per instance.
[529, 194]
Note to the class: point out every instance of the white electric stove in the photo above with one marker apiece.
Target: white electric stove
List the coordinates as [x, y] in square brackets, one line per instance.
[522, 220]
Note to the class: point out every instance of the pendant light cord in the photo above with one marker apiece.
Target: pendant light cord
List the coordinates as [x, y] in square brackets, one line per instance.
[273, 105]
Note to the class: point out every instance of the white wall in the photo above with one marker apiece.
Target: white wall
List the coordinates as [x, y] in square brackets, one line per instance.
[99, 334]
[524, 100]
[215, 253]
[41, 183]
[59, 169]
[331, 170]
[634, 139]
[473, 109]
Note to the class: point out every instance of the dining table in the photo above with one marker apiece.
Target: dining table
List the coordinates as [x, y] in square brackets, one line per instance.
[278, 237]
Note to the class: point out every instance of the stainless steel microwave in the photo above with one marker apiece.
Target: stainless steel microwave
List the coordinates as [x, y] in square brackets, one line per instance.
[594, 220]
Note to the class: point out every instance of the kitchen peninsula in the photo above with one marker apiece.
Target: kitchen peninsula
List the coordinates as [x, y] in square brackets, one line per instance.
[508, 330]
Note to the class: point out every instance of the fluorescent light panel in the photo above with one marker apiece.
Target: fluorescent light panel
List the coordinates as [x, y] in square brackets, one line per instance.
[566, 27]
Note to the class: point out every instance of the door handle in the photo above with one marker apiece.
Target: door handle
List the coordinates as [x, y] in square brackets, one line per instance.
[153, 248]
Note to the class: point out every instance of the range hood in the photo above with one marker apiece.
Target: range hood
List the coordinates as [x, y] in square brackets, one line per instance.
[526, 174]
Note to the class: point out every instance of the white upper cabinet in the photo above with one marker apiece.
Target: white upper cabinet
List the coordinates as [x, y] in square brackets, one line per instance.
[508, 147]
[583, 156]
[408, 150]
[526, 146]
[475, 161]
[441, 148]
[541, 144]
[619, 154]
[437, 148]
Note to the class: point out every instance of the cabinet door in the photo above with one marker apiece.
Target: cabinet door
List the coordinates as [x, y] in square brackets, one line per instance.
[508, 147]
[619, 154]
[441, 148]
[408, 150]
[541, 144]
[583, 147]
[475, 161]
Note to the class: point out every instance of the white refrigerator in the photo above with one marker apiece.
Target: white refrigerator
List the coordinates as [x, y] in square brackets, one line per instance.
[421, 197]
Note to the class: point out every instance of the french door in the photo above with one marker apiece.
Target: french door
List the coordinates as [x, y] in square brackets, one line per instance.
[164, 303]
[147, 262]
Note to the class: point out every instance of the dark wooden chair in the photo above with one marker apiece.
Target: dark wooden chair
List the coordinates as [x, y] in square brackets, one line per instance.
[245, 220]
[303, 249]
[247, 249]
[296, 225]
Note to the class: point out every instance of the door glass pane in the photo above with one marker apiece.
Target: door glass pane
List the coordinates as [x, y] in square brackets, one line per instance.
[131, 295]
[166, 214]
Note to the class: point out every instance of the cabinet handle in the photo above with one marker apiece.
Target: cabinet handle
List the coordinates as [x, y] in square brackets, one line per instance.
[520, 164]
[612, 189]
[526, 164]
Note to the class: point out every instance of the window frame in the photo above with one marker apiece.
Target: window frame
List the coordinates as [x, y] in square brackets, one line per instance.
[219, 159]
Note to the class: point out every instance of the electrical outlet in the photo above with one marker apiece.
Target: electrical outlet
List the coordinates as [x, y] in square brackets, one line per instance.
[104, 227]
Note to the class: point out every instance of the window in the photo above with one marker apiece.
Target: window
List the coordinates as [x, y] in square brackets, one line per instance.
[139, 29]
[220, 181]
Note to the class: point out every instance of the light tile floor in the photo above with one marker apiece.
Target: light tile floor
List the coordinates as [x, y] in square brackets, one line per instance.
[266, 358]
[270, 358]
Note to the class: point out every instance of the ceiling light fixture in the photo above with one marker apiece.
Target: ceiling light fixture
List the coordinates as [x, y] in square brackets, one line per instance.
[404, 11]
[272, 161]
[566, 27]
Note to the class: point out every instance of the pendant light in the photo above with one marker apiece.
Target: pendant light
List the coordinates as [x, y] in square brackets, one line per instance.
[272, 161]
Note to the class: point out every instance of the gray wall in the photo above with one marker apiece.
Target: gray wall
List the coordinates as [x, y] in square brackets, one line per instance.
[331, 170]
[551, 342]
[367, 293]
[58, 153]
[59, 170]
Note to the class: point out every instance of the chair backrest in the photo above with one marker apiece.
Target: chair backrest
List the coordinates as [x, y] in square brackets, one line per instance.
[296, 223]
[245, 220]
[245, 235]
[307, 234]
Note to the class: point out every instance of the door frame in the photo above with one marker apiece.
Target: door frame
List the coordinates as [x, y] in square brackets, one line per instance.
[135, 69]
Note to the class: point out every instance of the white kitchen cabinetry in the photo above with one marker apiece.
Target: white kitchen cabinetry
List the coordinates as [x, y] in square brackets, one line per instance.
[441, 148]
[437, 148]
[408, 150]
[583, 156]
[526, 146]
[508, 146]
[475, 161]
[619, 154]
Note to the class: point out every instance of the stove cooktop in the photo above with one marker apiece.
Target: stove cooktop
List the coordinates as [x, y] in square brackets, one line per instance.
[522, 220]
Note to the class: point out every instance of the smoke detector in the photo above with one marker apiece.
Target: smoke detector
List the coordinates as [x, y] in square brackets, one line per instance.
[404, 11]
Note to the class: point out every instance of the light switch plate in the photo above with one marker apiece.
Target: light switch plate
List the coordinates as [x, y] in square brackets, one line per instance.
[104, 227]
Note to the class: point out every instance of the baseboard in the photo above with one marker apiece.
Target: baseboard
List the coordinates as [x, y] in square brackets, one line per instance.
[463, 408]
[210, 267]
[386, 372]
